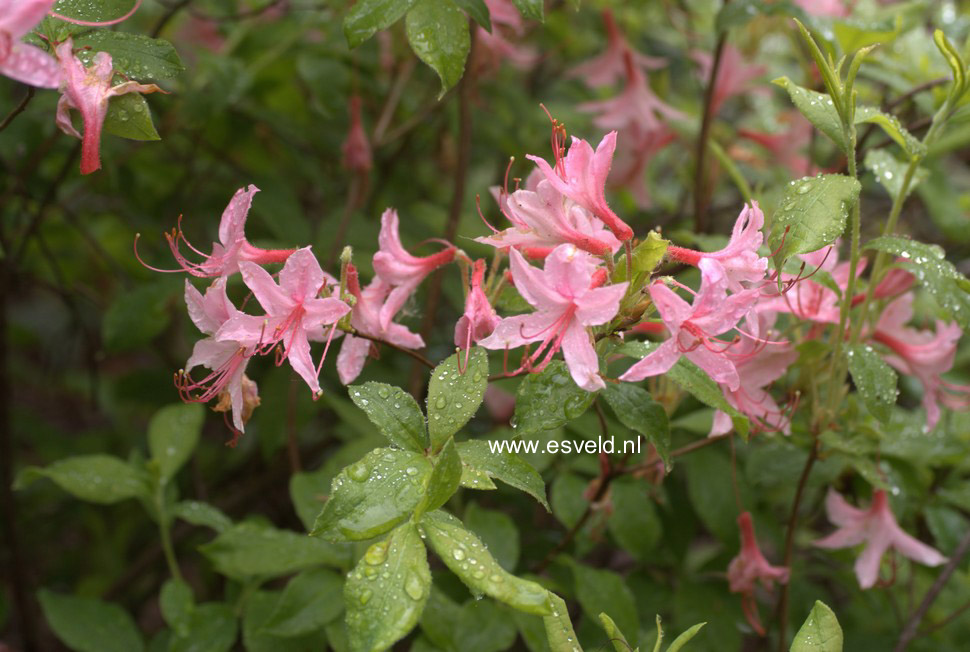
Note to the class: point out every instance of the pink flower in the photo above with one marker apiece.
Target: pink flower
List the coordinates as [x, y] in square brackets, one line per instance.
[232, 247]
[833, 8]
[750, 567]
[740, 258]
[568, 299]
[493, 49]
[544, 219]
[480, 318]
[581, 175]
[294, 311]
[924, 355]
[399, 268]
[21, 61]
[366, 319]
[89, 90]
[733, 75]
[807, 299]
[356, 149]
[226, 358]
[604, 69]
[693, 328]
[877, 528]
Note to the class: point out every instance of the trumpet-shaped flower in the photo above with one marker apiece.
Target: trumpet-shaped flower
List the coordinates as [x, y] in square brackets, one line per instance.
[568, 299]
[694, 327]
[401, 270]
[878, 529]
[581, 176]
[89, 90]
[749, 568]
[356, 148]
[479, 319]
[294, 311]
[21, 61]
[607, 67]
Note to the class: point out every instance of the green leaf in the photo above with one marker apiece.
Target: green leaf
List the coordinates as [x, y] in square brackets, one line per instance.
[741, 12]
[891, 125]
[506, 466]
[533, 9]
[812, 214]
[368, 16]
[497, 530]
[177, 603]
[173, 434]
[455, 393]
[395, 413]
[260, 607]
[890, 172]
[646, 256]
[309, 601]
[212, 628]
[443, 481]
[685, 638]
[616, 637]
[634, 522]
[938, 275]
[820, 632]
[202, 514]
[386, 593]
[135, 317]
[95, 12]
[818, 108]
[600, 590]
[853, 35]
[467, 557]
[874, 379]
[136, 56]
[373, 495]
[129, 117]
[475, 479]
[438, 33]
[253, 550]
[90, 625]
[637, 410]
[478, 10]
[548, 400]
[559, 628]
[95, 478]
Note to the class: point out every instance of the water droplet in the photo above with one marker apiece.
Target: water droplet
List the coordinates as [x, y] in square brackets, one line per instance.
[802, 189]
[365, 596]
[411, 470]
[458, 554]
[377, 553]
[441, 402]
[358, 472]
[414, 587]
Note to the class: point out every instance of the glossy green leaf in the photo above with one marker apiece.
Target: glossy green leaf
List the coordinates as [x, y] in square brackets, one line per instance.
[94, 11]
[820, 632]
[620, 644]
[874, 379]
[254, 550]
[137, 57]
[646, 256]
[634, 522]
[601, 590]
[478, 11]
[202, 514]
[373, 495]
[891, 125]
[533, 9]
[818, 108]
[173, 434]
[890, 171]
[310, 600]
[129, 117]
[90, 625]
[637, 410]
[475, 479]
[443, 481]
[455, 393]
[498, 531]
[548, 400]
[95, 478]
[559, 628]
[177, 603]
[812, 214]
[260, 606]
[395, 413]
[438, 33]
[852, 35]
[506, 466]
[386, 593]
[470, 560]
[212, 628]
[368, 16]
[685, 637]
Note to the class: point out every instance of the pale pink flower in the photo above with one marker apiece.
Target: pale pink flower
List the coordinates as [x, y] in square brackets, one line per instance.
[734, 76]
[878, 529]
[740, 258]
[479, 319]
[543, 219]
[749, 568]
[807, 299]
[568, 300]
[924, 355]
[831, 8]
[607, 67]
[89, 90]
[21, 61]
[403, 271]
[294, 311]
[694, 328]
[581, 176]
[232, 248]
[495, 48]
[499, 403]
[632, 158]
[356, 148]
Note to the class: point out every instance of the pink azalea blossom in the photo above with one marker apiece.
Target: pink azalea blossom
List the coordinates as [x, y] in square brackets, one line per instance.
[232, 248]
[366, 320]
[740, 258]
[878, 529]
[479, 319]
[832, 8]
[581, 176]
[734, 75]
[294, 311]
[20, 61]
[807, 299]
[89, 90]
[693, 328]
[606, 68]
[543, 219]
[749, 568]
[923, 354]
[568, 300]
[403, 271]
[356, 149]
[493, 49]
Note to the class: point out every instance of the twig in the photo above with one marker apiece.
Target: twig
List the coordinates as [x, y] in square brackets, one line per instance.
[935, 627]
[414, 354]
[17, 110]
[696, 445]
[356, 192]
[700, 176]
[168, 15]
[45, 204]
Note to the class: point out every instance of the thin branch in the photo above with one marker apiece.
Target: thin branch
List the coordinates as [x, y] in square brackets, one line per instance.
[17, 110]
[45, 203]
[700, 172]
[414, 354]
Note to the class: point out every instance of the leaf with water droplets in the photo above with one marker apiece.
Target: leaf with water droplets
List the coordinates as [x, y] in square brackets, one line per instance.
[249, 550]
[472, 478]
[812, 214]
[95, 11]
[387, 590]
[532, 9]
[438, 33]
[129, 117]
[548, 400]
[818, 108]
[559, 629]
[308, 603]
[95, 478]
[613, 633]
[136, 56]
[90, 625]
[443, 481]
[395, 413]
[368, 16]
[637, 410]
[372, 495]
[874, 379]
[891, 125]
[455, 393]
[890, 172]
[504, 465]
[820, 632]
[467, 557]
[173, 434]
[177, 603]
[201, 514]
